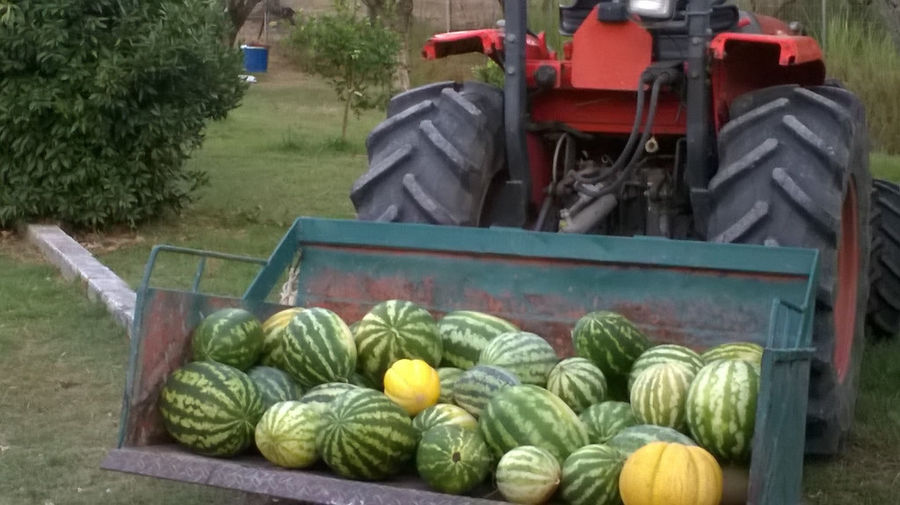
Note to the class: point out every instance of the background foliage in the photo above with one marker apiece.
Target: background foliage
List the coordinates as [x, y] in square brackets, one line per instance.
[102, 101]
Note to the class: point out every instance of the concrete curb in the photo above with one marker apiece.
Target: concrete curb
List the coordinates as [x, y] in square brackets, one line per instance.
[76, 262]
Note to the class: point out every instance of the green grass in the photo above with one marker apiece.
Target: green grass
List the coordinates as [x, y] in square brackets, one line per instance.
[63, 366]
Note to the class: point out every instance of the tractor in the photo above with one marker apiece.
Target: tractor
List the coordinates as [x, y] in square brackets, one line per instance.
[683, 119]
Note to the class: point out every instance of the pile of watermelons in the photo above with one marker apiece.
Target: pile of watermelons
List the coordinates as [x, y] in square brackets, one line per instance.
[469, 396]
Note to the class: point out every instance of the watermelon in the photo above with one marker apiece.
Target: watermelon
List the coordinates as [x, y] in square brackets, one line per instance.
[211, 408]
[605, 420]
[319, 348]
[528, 475]
[366, 436]
[721, 408]
[734, 350]
[590, 476]
[664, 354]
[529, 415]
[286, 434]
[659, 393]
[578, 382]
[464, 333]
[634, 437]
[448, 377]
[274, 385]
[476, 386]
[230, 336]
[443, 414]
[393, 330]
[525, 354]
[610, 341]
[452, 459]
[326, 394]
[274, 327]
[358, 379]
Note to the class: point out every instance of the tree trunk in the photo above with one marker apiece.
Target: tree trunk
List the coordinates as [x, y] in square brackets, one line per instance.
[238, 11]
[889, 10]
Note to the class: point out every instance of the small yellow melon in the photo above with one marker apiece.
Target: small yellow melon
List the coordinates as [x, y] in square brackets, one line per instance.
[412, 384]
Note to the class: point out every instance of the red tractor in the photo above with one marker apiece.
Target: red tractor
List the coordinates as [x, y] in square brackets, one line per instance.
[686, 119]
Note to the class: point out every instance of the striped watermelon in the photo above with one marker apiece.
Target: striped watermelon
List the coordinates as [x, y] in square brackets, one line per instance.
[326, 394]
[476, 386]
[464, 334]
[605, 420]
[528, 475]
[443, 414]
[734, 350]
[230, 336]
[578, 382]
[659, 393]
[634, 437]
[319, 348]
[393, 330]
[525, 354]
[366, 436]
[590, 476]
[211, 408]
[448, 377]
[721, 408]
[358, 379]
[610, 341]
[274, 385]
[452, 459]
[664, 354]
[274, 326]
[286, 434]
[529, 415]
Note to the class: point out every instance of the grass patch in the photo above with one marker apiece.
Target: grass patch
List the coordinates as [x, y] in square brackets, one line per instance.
[63, 362]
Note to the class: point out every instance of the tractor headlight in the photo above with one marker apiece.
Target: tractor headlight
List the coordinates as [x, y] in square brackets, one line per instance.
[662, 9]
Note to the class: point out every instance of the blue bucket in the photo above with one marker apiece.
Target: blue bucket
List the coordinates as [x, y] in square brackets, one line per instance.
[256, 58]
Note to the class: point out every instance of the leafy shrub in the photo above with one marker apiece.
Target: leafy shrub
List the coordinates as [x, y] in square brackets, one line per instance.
[355, 55]
[101, 103]
[490, 73]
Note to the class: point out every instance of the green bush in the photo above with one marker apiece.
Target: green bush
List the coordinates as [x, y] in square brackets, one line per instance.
[356, 56]
[101, 103]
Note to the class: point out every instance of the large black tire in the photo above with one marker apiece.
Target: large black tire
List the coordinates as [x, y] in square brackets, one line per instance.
[794, 172]
[884, 294]
[432, 160]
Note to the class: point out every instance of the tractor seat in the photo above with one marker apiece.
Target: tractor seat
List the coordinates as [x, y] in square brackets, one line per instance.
[571, 17]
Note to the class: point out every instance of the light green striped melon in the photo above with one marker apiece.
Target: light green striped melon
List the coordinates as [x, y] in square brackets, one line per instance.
[443, 414]
[274, 385]
[453, 459]
[394, 330]
[634, 437]
[326, 394]
[578, 382]
[528, 475]
[664, 354]
[211, 408]
[610, 341]
[366, 436]
[319, 348]
[590, 476]
[448, 377]
[604, 420]
[721, 408]
[286, 434]
[476, 386]
[529, 415]
[464, 334]
[659, 393]
[734, 350]
[273, 329]
[525, 354]
[230, 336]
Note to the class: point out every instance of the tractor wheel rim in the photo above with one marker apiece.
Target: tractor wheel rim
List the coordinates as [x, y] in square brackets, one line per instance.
[847, 285]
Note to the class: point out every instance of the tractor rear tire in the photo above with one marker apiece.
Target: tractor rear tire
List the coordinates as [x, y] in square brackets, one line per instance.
[432, 160]
[794, 171]
[884, 295]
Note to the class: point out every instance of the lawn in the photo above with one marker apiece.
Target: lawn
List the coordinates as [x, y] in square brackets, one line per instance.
[275, 158]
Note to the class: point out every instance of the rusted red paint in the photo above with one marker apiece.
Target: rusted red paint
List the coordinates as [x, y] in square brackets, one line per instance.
[845, 308]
